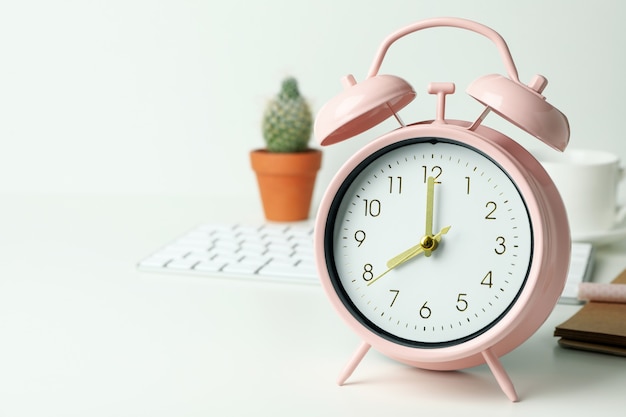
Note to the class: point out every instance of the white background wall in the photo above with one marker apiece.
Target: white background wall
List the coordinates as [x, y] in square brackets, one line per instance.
[166, 96]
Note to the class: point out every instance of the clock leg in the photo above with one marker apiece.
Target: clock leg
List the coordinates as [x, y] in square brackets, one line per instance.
[354, 362]
[501, 376]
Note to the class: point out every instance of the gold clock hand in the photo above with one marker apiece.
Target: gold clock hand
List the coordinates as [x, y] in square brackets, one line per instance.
[430, 193]
[384, 273]
[411, 253]
[427, 243]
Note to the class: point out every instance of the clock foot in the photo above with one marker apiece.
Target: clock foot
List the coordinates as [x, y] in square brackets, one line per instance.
[500, 374]
[354, 362]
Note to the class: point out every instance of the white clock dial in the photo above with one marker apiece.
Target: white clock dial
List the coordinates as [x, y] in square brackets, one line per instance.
[480, 226]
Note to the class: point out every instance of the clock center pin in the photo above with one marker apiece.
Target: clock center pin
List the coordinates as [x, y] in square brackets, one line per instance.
[428, 243]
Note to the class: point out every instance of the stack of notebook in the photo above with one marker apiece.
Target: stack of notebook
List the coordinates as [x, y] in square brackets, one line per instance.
[597, 326]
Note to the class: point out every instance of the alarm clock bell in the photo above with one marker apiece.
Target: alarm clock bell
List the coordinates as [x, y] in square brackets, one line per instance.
[361, 106]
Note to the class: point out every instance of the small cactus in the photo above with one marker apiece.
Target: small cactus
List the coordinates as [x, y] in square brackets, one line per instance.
[287, 120]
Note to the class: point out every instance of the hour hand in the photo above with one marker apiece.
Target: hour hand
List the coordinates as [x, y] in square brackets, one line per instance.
[411, 253]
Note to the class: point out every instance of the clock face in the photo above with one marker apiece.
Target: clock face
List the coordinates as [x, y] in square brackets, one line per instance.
[428, 242]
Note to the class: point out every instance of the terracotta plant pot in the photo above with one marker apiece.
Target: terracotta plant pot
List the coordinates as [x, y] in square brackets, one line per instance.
[286, 182]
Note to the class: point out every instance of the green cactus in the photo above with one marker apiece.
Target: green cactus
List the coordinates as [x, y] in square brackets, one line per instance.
[287, 121]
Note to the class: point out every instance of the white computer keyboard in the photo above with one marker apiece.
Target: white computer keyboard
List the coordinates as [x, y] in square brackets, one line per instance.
[264, 252]
[281, 252]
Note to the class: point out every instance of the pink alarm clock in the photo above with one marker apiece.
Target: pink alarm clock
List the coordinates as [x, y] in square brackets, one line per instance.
[443, 244]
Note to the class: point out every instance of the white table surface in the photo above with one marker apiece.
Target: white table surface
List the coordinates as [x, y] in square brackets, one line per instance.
[83, 333]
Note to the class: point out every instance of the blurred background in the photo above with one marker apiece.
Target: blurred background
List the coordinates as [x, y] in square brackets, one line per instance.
[166, 96]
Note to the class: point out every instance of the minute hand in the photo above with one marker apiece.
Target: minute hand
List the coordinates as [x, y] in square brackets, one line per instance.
[430, 196]
[413, 251]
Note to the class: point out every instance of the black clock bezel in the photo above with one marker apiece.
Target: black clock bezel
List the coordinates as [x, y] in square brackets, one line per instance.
[329, 246]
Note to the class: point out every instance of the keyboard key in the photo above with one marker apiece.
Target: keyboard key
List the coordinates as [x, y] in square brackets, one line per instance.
[200, 256]
[209, 266]
[227, 257]
[183, 264]
[242, 268]
[258, 246]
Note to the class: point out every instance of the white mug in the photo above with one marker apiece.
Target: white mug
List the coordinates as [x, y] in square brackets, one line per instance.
[588, 183]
